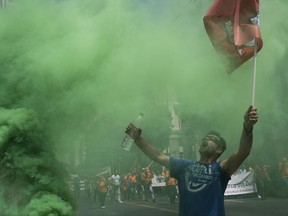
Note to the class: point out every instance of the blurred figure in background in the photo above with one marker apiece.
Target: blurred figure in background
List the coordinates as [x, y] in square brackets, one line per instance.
[171, 188]
[133, 181]
[77, 190]
[262, 180]
[147, 184]
[102, 191]
[115, 180]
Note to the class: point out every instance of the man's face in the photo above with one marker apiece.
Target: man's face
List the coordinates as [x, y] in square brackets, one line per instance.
[208, 146]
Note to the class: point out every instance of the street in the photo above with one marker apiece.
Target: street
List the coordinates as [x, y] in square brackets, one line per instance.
[234, 207]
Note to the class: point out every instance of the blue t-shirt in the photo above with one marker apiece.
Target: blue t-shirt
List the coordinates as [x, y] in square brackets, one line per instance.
[201, 187]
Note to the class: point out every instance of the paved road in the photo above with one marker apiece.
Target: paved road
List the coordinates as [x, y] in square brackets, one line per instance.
[234, 207]
[255, 207]
[127, 208]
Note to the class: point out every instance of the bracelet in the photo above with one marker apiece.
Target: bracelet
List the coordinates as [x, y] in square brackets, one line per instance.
[248, 133]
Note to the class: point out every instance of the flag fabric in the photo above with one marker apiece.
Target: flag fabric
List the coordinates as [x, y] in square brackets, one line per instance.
[135, 165]
[233, 28]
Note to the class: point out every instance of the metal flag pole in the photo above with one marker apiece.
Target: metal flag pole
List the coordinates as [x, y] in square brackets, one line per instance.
[255, 64]
[254, 73]
[150, 164]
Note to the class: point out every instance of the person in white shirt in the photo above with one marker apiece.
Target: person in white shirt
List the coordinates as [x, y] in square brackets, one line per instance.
[115, 180]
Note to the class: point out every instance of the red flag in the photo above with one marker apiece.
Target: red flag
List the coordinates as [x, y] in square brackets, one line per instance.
[232, 26]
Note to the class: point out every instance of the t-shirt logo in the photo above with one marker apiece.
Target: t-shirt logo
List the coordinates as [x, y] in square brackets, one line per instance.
[198, 176]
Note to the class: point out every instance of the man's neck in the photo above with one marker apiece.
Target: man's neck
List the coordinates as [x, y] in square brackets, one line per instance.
[207, 160]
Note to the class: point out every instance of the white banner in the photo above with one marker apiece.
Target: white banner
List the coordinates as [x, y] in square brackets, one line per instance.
[158, 181]
[241, 183]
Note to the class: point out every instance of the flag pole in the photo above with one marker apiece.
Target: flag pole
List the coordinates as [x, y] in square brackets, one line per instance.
[254, 74]
[150, 164]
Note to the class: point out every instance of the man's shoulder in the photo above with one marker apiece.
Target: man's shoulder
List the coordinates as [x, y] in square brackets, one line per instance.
[181, 160]
[178, 166]
[180, 163]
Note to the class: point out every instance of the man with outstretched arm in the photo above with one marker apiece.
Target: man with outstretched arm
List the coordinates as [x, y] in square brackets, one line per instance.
[202, 183]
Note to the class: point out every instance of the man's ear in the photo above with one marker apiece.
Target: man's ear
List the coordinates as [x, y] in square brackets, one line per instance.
[219, 151]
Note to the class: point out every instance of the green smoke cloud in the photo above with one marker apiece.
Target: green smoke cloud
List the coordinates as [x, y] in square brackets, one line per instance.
[32, 182]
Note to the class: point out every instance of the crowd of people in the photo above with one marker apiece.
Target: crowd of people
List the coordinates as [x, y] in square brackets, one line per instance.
[137, 185]
[116, 187]
[271, 179]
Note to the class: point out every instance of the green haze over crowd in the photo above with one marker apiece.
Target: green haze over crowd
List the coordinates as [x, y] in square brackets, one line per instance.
[75, 71]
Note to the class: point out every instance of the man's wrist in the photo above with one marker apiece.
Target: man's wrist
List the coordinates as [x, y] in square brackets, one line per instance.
[248, 129]
[137, 135]
[138, 139]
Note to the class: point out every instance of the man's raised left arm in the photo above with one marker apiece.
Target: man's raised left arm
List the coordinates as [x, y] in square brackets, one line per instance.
[234, 161]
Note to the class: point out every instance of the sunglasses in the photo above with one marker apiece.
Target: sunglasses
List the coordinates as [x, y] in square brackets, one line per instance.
[212, 138]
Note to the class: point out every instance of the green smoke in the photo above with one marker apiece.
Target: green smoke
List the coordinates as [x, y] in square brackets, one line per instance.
[32, 182]
[76, 72]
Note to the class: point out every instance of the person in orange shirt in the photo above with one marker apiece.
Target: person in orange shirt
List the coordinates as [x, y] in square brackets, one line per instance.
[102, 191]
[171, 189]
[147, 183]
[166, 173]
[125, 188]
[133, 181]
[140, 186]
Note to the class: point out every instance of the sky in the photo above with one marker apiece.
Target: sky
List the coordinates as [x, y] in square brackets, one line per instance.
[81, 70]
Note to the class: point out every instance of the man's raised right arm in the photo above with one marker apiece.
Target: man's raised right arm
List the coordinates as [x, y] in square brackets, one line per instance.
[148, 149]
